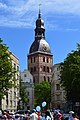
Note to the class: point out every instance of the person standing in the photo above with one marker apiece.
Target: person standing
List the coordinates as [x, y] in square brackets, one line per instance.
[47, 115]
[75, 117]
[33, 115]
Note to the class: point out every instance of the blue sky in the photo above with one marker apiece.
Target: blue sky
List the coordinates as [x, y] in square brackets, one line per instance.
[62, 24]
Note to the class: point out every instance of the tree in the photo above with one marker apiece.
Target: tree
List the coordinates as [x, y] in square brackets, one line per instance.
[7, 71]
[42, 92]
[23, 94]
[70, 75]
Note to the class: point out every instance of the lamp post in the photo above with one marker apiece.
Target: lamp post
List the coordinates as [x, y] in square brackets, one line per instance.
[20, 104]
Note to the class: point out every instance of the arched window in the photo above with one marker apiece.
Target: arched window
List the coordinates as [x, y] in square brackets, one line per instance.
[43, 59]
[33, 79]
[44, 78]
[48, 69]
[47, 60]
[34, 69]
[34, 59]
[31, 69]
[44, 68]
[31, 59]
[48, 79]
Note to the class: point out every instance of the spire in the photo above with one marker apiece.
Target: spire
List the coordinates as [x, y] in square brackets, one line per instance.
[39, 44]
[39, 30]
[39, 15]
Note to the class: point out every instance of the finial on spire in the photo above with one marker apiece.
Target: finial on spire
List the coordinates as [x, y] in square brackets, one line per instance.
[39, 11]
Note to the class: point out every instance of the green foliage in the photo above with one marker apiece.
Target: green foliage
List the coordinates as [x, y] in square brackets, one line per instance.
[70, 75]
[23, 92]
[42, 92]
[6, 70]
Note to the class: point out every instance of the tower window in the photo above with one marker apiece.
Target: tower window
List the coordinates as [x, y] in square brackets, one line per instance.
[43, 59]
[47, 60]
[48, 69]
[34, 69]
[48, 79]
[33, 79]
[31, 69]
[44, 78]
[44, 68]
[34, 59]
[31, 60]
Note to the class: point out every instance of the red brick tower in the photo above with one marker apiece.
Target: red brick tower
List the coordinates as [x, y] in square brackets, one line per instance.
[40, 57]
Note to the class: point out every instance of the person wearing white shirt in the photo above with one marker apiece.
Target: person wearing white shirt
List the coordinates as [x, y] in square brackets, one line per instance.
[33, 116]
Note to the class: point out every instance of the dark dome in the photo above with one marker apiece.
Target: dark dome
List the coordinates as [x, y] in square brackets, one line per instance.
[39, 23]
[40, 45]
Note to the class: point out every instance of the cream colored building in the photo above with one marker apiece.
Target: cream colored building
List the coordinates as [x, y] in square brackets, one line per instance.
[57, 93]
[11, 99]
[27, 80]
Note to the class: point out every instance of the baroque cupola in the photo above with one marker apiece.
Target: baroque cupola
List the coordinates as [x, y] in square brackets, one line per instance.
[40, 57]
[39, 44]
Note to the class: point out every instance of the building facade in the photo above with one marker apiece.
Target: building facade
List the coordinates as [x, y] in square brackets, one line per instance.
[57, 93]
[27, 80]
[40, 57]
[10, 101]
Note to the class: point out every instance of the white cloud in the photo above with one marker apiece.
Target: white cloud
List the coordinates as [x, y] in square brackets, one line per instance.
[62, 6]
[3, 6]
[22, 23]
[24, 12]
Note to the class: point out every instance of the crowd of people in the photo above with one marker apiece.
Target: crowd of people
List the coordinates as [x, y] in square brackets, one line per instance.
[37, 115]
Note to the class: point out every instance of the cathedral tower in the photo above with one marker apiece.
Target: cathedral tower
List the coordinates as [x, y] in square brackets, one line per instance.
[40, 57]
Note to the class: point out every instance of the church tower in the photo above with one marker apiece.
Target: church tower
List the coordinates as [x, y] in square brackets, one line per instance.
[40, 57]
